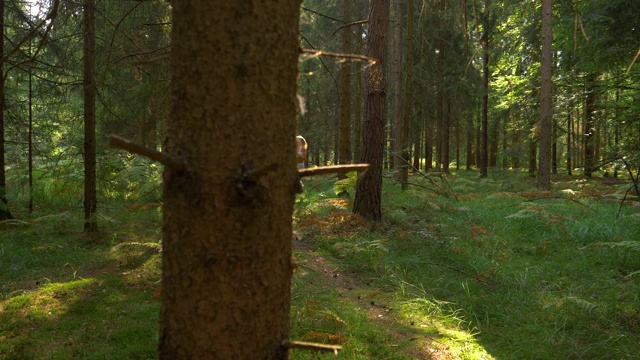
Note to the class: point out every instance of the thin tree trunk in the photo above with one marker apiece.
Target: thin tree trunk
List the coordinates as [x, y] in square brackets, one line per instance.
[345, 95]
[470, 133]
[446, 134]
[368, 200]
[357, 113]
[533, 165]
[408, 105]
[569, 140]
[395, 87]
[4, 206]
[589, 126]
[484, 133]
[90, 206]
[30, 131]
[546, 106]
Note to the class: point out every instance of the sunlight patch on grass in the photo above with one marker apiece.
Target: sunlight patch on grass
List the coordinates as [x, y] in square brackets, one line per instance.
[48, 302]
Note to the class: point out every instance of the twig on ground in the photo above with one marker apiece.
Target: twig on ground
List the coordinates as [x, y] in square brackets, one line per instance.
[291, 344]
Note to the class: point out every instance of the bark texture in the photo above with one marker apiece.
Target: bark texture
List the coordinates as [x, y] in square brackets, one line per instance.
[90, 201]
[4, 208]
[226, 271]
[368, 200]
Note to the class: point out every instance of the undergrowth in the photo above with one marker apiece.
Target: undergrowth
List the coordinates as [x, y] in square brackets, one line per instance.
[493, 268]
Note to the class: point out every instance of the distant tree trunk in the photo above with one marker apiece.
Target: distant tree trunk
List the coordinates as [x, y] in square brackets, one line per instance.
[408, 105]
[470, 136]
[357, 113]
[4, 206]
[30, 131]
[368, 200]
[226, 266]
[589, 125]
[569, 140]
[495, 138]
[457, 127]
[554, 148]
[533, 165]
[90, 206]
[484, 133]
[345, 95]
[446, 134]
[546, 106]
[395, 86]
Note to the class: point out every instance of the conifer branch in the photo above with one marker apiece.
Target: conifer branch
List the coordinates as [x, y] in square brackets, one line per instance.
[118, 142]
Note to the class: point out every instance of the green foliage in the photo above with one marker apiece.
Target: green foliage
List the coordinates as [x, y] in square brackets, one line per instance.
[346, 187]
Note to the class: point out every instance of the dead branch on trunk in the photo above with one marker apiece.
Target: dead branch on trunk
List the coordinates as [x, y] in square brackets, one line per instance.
[321, 170]
[118, 142]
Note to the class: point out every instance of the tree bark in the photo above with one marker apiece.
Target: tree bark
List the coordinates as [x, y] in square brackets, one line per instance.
[589, 125]
[408, 105]
[226, 266]
[368, 200]
[4, 206]
[395, 87]
[345, 95]
[546, 106]
[484, 156]
[90, 198]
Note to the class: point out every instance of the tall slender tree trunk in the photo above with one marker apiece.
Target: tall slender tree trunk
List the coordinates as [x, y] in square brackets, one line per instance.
[446, 133]
[589, 125]
[226, 257]
[533, 164]
[395, 86]
[90, 201]
[30, 135]
[569, 140]
[408, 105]
[546, 106]
[4, 206]
[494, 139]
[470, 133]
[345, 95]
[368, 200]
[484, 132]
[357, 112]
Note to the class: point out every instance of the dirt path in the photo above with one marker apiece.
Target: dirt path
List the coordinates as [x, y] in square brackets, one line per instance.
[376, 303]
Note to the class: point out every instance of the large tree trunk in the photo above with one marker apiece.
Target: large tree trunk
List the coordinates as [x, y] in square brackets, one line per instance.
[546, 106]
[368, 200]
[226, 266]
[90, 201]
[345, 96]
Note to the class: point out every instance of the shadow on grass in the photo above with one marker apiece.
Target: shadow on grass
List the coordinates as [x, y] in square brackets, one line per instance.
[70, 297]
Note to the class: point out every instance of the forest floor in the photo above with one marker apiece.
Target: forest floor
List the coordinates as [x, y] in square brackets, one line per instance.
[460, 268]
[362, 295]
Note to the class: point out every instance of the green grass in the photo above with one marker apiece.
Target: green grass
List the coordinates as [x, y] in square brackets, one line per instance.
[64, 296]
[460, 268]
[518, 274]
